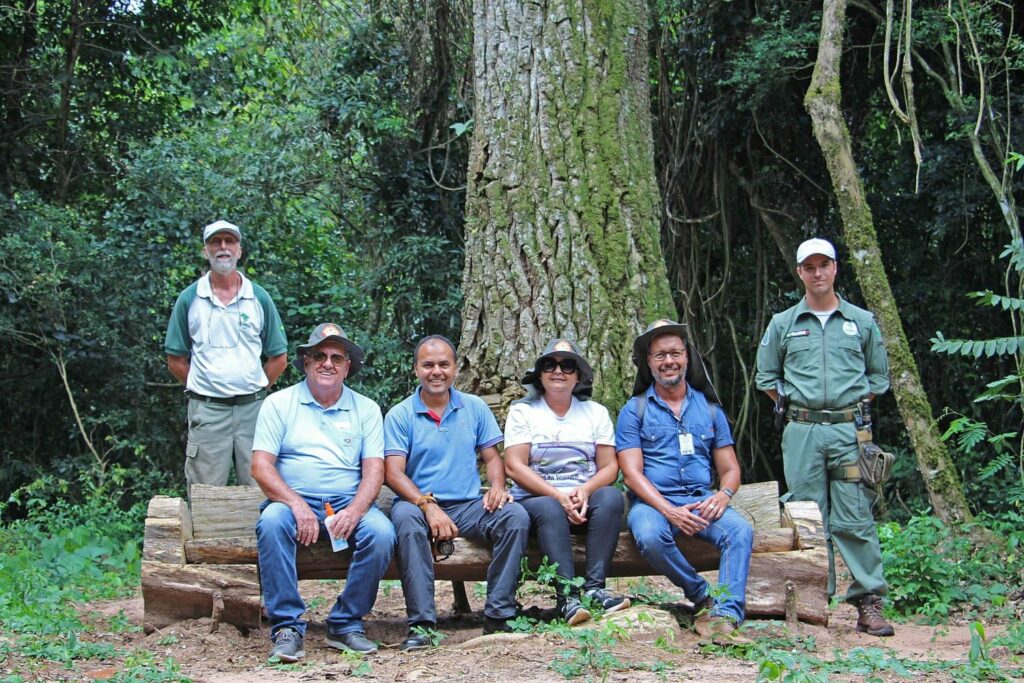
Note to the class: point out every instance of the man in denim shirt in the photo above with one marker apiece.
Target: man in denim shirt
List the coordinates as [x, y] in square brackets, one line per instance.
[669, 436]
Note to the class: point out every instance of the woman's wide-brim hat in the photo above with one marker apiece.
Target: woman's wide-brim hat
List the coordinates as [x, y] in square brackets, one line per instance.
[566, 349]
[330, 332]
[696, 372]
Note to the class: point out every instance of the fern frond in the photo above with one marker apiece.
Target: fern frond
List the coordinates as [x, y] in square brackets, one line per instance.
[1001, 346]
[997, 464]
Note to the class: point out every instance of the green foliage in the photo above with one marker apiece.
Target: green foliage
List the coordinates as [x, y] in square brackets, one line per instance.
[63, 553]
[933, 570]
[433, 635]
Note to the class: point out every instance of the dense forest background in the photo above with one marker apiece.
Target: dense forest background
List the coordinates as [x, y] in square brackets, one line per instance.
[336, 135]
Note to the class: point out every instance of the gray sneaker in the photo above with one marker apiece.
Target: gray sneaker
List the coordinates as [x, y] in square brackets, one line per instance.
[287, 646]
[353, 641]
[572, 611]
[606, 600]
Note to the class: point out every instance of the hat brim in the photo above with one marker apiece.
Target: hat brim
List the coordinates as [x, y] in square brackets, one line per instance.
[355, 354]
[697, 375]
[584, 388]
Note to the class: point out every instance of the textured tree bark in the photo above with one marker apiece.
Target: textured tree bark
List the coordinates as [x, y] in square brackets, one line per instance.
[823, 103]
[562, 206]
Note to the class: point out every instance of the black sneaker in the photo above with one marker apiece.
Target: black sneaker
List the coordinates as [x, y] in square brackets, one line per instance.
[353, 641]
[418, 639]
[606, 600]
[287, 647]
[493, 625]
[572, 611]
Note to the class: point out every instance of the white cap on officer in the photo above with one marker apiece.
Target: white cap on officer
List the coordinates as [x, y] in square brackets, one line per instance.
[815, 246]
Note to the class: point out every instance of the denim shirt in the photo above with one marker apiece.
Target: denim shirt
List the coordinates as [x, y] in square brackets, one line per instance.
[672, 472]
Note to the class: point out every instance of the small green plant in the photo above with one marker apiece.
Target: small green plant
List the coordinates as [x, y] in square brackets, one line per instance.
[647, 594]
[389, 585]
[64, 649]
[316, 602]
[358, 667]
[480, 590]
[592, 652]
[432, 634]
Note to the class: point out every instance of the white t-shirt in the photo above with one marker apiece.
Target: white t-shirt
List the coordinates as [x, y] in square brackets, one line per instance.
[562, 449]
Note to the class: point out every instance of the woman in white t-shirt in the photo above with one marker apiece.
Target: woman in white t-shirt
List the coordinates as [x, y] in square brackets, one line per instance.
[560, 451]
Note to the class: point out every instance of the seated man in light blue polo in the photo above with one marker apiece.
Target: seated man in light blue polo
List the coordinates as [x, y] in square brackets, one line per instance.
[431, 441]
[317, 443]
[673, 439]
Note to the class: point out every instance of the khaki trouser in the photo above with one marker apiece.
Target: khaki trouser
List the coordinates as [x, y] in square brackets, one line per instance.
[217, 436]
[809, 452]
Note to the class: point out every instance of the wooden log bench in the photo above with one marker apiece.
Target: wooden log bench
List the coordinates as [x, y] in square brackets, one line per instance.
[200, 560]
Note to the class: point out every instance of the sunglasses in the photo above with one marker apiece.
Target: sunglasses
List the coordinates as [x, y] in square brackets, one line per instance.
[320, 357]
[568, 366]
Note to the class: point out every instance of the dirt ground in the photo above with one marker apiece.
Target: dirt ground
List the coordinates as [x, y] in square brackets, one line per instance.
[229, 656]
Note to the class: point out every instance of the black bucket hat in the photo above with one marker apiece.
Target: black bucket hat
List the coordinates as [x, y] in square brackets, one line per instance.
[330, 332]
[696, 372]
[561, 347]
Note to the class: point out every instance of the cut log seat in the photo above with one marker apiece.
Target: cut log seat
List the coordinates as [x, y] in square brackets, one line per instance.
[201, 560]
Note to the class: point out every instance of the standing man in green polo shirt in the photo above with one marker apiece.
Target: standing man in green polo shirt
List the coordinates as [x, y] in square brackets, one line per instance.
[226, 343]
[828, 355]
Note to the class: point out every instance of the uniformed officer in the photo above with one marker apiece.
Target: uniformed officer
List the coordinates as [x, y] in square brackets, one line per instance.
[829, 355]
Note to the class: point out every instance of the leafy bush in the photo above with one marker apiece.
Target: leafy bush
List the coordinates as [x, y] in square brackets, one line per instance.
[933, 569]
[63, 553]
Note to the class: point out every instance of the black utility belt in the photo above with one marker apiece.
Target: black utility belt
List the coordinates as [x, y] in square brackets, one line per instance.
[822, 417]
[228, 400]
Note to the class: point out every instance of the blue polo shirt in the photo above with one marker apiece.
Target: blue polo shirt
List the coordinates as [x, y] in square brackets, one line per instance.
[670, 470]
[319, 450]
[441, 457]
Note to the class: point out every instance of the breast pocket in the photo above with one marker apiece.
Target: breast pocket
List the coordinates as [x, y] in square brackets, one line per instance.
[850, 348]
[349, 445]
[651, 436]
[797, 346]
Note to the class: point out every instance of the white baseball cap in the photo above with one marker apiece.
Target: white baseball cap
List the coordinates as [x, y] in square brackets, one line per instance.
[815, 246]
[221, 226]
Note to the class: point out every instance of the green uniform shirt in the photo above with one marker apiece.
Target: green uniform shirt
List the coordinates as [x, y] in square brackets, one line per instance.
[823, 368]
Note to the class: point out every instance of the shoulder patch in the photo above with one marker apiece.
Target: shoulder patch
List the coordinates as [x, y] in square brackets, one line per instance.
[764, 339]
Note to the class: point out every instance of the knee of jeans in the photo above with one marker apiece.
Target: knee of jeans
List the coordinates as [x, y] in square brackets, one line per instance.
[382, 532]
[545, 507]
[407, 519]
[646, 527]
[514, 516]
[609, 498]
[276, 518]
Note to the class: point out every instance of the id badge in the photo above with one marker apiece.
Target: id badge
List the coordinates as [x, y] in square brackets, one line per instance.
[686, 444]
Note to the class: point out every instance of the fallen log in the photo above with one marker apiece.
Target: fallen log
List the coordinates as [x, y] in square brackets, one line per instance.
[201, 560]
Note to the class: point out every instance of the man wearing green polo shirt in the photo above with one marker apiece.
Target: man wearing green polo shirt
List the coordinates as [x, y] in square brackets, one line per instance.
[221, 328]
[828, 355]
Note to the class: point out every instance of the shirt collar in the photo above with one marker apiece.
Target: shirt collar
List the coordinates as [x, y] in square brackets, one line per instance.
[245, 291]
[843, 308]
[344, 402]
[454, 400]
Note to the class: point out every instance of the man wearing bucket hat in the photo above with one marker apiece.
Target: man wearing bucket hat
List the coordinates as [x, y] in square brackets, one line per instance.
[431, 442]
[828, 356]
[560, 451]
[320, 443]
[220, 328]
[672, 438]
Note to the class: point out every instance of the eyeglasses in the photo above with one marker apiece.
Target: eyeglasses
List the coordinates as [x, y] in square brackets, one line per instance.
[320, 357]
[676, 354]
[567, 365]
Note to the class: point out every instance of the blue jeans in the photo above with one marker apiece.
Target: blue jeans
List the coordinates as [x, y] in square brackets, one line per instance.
[730, 533]
[371, 544]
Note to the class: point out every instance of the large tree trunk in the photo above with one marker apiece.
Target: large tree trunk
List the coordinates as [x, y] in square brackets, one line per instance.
[562, 206]
[823, 102]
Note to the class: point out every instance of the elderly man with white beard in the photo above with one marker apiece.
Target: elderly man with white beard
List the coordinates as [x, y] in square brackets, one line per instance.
[226, 343]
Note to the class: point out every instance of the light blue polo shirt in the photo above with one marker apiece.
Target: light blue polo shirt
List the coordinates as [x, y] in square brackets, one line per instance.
[441, 458]
[670, 470]
[319, 450]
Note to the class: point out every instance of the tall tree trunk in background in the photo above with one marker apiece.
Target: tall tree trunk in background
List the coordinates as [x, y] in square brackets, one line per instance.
[823, 102]
[562, 206]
